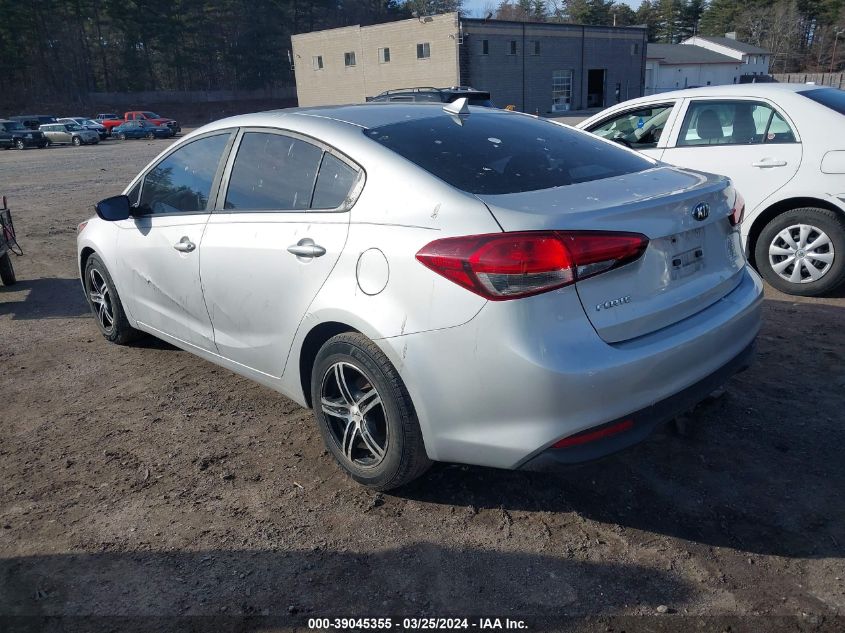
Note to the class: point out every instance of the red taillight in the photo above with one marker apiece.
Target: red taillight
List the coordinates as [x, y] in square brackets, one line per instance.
[501, 266]
[738, 210]
[592, 436]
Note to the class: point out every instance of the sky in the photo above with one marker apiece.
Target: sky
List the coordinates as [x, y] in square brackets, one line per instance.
[476, 7]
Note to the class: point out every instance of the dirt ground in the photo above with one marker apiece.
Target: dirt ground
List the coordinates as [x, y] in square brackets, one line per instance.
[142, 481]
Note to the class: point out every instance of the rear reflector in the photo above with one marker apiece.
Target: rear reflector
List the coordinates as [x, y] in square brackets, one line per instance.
[500, 266]
[592, 436]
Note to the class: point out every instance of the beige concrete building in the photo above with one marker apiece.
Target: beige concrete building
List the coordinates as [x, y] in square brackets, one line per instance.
[349, 64]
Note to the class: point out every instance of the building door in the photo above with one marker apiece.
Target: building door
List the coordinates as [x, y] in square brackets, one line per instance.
[595, 87]
[561, 90]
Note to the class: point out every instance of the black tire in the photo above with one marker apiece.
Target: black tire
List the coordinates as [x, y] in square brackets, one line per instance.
[150, 135]
[121, 136]
[76, 141]
[119, 332]
[404, 457]
[824, 220]
[7, 271]
[20, 144]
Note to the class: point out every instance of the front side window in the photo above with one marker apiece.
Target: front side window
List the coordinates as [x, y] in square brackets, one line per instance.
[423, 50]
[272, 172]
[640, 128]
[181, 182]
[499, 153]
[733, 123]
[349, 59]
[384, 55]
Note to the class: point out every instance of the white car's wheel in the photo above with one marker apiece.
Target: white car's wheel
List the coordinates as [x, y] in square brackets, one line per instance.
[802, 251]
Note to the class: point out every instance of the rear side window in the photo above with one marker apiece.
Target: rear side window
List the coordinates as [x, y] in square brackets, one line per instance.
[181, 182]
[333, 183]
[272, 172]
[830, 97]
[733, 123]
[498, 153]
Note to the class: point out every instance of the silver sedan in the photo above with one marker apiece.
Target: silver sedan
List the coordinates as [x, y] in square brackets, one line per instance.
[437, 283]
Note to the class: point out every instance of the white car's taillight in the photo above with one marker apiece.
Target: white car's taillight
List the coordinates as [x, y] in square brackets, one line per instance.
[501, 266]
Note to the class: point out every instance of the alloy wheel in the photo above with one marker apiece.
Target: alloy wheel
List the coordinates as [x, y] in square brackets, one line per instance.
[356, 415]
[98, 291]
[801, 253]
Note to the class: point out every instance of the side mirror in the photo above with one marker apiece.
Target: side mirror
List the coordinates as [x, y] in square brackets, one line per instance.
[114, 208]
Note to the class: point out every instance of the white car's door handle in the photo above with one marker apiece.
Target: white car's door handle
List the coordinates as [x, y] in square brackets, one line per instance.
[185, 245]
[306, 248]
[769, 162]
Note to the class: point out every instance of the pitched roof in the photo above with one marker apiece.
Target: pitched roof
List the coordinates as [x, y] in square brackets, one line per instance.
[686, 54]
[736, 45]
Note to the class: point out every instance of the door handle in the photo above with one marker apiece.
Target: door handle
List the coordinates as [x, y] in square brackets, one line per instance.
[307, 249]
[185, 245]
[768, 162]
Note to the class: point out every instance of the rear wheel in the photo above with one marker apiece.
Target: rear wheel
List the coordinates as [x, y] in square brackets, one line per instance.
[365, 414]
[7, 271]
[20, 144]
[105, 303]
[150, 135]
[122, 136]
[802, 251]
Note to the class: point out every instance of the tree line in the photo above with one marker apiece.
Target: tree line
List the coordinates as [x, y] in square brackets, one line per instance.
[67, 48]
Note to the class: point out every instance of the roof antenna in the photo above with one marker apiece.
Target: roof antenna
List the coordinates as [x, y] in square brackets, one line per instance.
[458, 107]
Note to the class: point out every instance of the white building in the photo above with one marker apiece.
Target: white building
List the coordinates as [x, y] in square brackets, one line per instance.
[755, 60]
[676, 66]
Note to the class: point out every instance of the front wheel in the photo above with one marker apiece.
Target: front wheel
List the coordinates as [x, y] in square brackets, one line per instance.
[20, 144]
[7, 271]
[105, 303]
[121, 136]
[150, 135]
[365, 413]
[802, 251]
[77, 141]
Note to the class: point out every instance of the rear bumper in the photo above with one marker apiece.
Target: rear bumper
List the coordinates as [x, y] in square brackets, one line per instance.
[643, 422]
[503, 388]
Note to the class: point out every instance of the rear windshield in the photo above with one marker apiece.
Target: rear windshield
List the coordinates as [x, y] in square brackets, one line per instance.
[830, 97]
[495, 153]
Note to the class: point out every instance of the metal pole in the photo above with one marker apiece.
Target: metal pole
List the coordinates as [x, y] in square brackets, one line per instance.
[833, 54]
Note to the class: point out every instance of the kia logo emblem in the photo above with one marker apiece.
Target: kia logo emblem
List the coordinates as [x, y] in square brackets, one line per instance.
[701, 211]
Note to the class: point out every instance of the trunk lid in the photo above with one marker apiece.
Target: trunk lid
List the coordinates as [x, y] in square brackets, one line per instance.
[689, 263]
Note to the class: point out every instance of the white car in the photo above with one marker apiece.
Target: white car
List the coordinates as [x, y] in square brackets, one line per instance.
[783, 145]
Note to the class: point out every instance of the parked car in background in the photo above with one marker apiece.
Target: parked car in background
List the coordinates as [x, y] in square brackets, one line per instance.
[435, 95]
[14, 134]
[155, 119]
[138, 115]
[783, 146]
[33, 121]
[87, 124]
[69, 133]
[141, 129]
[543, 297]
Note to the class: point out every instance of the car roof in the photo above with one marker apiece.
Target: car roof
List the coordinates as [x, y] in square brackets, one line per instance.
[731, 90]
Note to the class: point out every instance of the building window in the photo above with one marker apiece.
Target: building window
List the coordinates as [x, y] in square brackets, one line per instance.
[635, 49]
[423, 50]
[349, 59]
[317, 62]
[384, 55]
[485, 47]
[513, 48]
[561, 90]
[535, 47]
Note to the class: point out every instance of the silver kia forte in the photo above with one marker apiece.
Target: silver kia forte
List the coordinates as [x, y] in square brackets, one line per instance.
[437, 282]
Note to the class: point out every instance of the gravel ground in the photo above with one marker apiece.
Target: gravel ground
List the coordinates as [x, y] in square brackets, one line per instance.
[142, 481]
